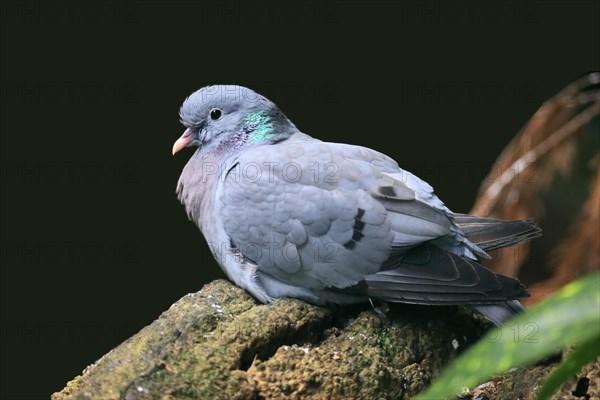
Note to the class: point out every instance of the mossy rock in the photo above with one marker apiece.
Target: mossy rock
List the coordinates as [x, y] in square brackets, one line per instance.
[219, 343]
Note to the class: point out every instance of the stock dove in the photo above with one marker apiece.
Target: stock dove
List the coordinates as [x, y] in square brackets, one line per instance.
[287, 215]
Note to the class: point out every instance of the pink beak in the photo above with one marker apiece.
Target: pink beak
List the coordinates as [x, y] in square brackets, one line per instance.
[183, 141]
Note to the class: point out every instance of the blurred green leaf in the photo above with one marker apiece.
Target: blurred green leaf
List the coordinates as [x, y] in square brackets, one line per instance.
[582, 355]
[571, 316]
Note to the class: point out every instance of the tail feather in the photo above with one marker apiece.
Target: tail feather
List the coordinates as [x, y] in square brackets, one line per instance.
[491, 233]
[430, 275]
[499, 313]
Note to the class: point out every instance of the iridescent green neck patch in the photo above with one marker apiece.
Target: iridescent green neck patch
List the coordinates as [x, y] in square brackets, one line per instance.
[259, 124]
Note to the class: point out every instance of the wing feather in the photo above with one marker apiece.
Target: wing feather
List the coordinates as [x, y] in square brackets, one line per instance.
[339, 211]
[437, 276]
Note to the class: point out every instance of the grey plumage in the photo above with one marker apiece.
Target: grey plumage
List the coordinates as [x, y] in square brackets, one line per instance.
[287, 215]
[491, 233]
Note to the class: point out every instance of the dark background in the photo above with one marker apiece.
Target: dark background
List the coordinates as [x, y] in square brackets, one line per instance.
[94, 243]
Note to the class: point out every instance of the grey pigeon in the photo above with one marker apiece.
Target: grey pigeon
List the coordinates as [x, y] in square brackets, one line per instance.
[287, 215]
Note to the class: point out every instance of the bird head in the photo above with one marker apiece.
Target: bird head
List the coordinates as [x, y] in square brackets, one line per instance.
[229, 117]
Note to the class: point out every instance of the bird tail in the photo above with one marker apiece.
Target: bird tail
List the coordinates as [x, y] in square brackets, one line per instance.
[491, 233]
[499, 313]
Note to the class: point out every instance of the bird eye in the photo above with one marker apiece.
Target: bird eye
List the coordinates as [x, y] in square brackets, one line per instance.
[215, 113]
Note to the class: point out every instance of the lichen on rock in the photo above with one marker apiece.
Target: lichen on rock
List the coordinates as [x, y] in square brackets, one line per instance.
[219, 343]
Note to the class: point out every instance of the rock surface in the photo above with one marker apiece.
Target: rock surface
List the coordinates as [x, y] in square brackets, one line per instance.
[219, 343]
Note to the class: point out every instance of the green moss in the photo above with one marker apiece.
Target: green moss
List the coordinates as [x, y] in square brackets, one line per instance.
[139, 361]
[219, 343]
[196, 349]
